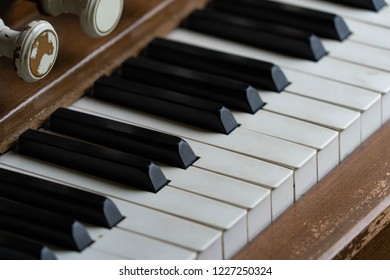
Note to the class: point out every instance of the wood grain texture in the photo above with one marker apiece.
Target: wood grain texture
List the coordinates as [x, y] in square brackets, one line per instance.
[81, 60]
[378, 248]
[340, 216]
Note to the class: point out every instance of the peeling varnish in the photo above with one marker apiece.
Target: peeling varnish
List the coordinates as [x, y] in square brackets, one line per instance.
[324, 228]
[41, 47]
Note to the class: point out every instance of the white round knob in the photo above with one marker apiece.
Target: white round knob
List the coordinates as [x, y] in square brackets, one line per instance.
[34, 49]
[98, 18]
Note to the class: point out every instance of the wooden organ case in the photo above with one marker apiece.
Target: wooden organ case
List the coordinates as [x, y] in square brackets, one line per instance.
[346, 215]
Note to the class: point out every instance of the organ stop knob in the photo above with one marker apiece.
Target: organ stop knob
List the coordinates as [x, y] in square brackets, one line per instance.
[34, 49]
[97, 17]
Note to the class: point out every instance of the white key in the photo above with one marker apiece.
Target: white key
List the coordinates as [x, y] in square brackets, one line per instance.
[134, 246]
[256, 200]
[229, 219]
[366, 102]
[278, 180]
[324, 140]
[299, 158]
[359, 53]
[328, 67]
[87, 254]
[205, 241]
[346, 122]
[385, 108]
[381, 18]
[362, 32]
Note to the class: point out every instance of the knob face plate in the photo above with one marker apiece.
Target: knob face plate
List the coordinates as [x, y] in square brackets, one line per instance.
[100, 17]
[108, 14]
[36, 51]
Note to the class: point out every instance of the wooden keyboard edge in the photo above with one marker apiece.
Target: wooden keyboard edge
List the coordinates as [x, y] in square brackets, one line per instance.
[339, 216]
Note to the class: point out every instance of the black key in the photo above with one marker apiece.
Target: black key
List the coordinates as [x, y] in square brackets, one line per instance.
[72, 202]
[317, 22]
[47, 227]
[266, 35]
[373, 5]
[16, 248]
[128, 138]
[257, 73]
[96, 160]
[230, 93]
[179, 107]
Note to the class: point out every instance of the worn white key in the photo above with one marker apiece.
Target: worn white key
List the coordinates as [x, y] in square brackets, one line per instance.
[277, 179]
[324, 140]
[117, 243]
[253, 198]
[346, 122]
[203, 240]
[87, 254]
[366, 102]
[229, 219]
[134, 246]
[328, 67]
[381, 18]
[256, 200]
[299, 158]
